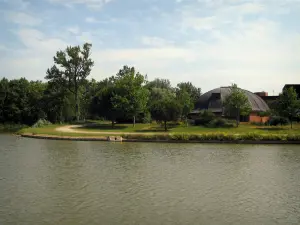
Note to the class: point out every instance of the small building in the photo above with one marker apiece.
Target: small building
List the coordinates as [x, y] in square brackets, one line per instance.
[213, 101]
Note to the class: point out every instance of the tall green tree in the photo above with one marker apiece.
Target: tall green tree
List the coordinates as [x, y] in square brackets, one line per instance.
[159, 83]
[237, 103]
[166, 109]
[102, 104]
[130, 95]
[71, 67]
[4, 89]
[288, 104]
[186, 103]
[192, 90]
[58, 103]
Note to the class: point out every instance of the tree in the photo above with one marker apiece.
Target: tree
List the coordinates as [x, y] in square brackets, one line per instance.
[71, 67]
[186, 103]
[4, 85]
[192, 90]
[166, 109]
[288, 104]
[159, 83]
[237, 103]
[101, 104]
[130, 95]
[58, 103]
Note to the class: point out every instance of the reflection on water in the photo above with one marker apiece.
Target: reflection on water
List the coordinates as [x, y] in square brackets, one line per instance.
[64, 182]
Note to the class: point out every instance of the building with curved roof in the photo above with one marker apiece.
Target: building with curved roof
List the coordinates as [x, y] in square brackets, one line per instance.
[212, 100]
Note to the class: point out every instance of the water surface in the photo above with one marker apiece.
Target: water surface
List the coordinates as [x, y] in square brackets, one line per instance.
[80, 183]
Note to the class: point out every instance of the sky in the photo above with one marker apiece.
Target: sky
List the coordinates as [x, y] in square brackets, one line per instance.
[212, 43]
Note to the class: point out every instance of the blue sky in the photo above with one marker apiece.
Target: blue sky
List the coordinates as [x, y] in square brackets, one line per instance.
[254, 43]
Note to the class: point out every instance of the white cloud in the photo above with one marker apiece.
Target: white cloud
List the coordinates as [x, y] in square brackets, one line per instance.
[91, 20]
[257, 54]
[74, 30]
[94, 4]
[22, 18]
[154, 41]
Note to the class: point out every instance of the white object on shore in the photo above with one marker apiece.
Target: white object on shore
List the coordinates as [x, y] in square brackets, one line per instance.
[114, 138]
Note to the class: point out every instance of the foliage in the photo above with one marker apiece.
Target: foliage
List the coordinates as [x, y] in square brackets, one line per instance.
[220, 122]
[71, 67]
[130, 96]
[237, 103]
[166, 109]
[205, 118]
[160, 84]
[221, 137]
[101, 104]
[288, 104]
[20, 101]
[41, 123]
[193, 92]
[11, 128]
[278, 120]
[186, 103]
[147, 117]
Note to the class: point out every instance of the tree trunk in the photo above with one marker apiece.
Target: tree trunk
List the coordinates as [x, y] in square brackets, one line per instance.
[165, 122]
[291, 123]
[133, 121]
[238, 118]
[112, 123]
[76, 104]
[186, 120]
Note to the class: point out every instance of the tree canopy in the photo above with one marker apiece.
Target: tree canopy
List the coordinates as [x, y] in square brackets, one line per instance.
[288, 104]
[71, 68]
[237, 103]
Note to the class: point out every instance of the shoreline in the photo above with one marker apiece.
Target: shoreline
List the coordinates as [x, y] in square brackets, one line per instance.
[120, 139]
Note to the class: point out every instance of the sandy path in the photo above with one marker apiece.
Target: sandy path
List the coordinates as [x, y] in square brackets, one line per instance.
[72, 129]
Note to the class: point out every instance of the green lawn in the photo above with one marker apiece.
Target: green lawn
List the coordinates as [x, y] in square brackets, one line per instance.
[157, 129]
[155, 132]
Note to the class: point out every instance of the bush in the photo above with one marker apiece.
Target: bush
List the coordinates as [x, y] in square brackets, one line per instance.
[11, 128]
[147, 118]
[220, 122]
[205, 118]
[219, 136]
[41, 123]
[277, 120]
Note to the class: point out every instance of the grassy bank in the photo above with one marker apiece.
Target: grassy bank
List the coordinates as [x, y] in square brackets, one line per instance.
[155, 128]
[176, 133]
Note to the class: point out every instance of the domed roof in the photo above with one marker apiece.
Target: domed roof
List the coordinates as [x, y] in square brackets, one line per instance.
[213, 99]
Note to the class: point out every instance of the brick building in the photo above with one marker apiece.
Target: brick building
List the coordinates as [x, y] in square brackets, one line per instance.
[212, 100]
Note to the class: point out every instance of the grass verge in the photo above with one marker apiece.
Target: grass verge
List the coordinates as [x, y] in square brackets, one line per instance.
[194, 133]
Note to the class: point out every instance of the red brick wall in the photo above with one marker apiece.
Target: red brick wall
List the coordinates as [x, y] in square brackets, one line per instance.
[255, 118]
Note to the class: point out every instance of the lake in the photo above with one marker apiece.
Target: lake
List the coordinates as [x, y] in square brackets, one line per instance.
[89, 183]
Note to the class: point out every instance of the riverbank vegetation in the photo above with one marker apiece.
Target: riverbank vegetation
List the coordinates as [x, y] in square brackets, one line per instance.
[178, 133]
[128, 100]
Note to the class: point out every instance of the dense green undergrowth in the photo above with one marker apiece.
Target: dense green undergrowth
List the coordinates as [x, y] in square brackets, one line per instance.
[11, 128]
[216, 137]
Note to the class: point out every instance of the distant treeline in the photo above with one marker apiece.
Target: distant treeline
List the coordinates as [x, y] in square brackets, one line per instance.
[125, 97]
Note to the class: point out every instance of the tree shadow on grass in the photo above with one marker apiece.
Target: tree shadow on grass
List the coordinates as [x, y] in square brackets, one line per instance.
[103, 127]
[271, 128]
[157, 129]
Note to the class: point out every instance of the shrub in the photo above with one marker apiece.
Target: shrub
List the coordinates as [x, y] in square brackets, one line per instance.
[277, 120]
[205, 117]
[147, 118]
[220, 122]
[41, 123]
[219, 136]
[10, 128]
